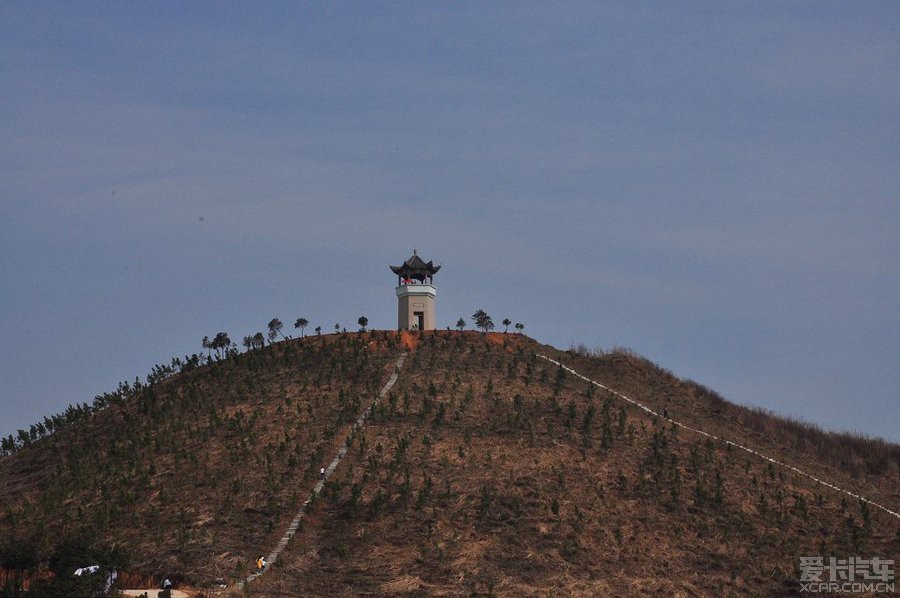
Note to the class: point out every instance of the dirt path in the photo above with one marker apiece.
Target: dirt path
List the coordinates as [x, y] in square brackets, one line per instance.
[272, 558]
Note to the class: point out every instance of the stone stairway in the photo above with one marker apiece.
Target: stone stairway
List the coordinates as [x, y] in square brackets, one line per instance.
[355, 427]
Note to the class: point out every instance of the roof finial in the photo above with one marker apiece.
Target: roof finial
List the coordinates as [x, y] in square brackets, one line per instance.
[414, 251]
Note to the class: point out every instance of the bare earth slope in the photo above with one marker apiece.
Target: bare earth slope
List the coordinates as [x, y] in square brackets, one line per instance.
[192, 476]
[486, 470]
[489, 471]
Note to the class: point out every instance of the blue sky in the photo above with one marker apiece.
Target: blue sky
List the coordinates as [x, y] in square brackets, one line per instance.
[713, 185]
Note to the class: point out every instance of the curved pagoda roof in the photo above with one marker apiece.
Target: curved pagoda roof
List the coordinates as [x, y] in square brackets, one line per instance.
[415, 267]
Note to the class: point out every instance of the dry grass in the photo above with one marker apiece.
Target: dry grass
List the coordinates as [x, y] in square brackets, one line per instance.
[848, 459]
[194, 476]
[484, 472]
[503, 496]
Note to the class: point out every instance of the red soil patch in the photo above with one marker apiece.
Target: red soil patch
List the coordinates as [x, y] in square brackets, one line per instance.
[508, 341]
[409, 340]
[495, 338]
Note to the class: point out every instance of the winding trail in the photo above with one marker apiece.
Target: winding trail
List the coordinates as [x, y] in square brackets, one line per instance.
[726, 441]
[355, 427]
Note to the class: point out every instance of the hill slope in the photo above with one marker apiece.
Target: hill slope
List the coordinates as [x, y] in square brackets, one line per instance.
[486, 469]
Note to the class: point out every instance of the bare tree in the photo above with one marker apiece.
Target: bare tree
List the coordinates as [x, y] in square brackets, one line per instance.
[275, 327]
[221, 343]
[259, 341]
[301, 323]
[483, 321]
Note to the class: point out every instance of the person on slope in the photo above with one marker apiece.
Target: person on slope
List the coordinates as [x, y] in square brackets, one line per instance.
[261, 564]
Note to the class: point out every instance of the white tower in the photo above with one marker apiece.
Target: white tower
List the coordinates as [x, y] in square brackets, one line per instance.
[415, 294]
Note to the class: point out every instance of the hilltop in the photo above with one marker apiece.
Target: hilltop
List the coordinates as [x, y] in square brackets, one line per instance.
[486, 469]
